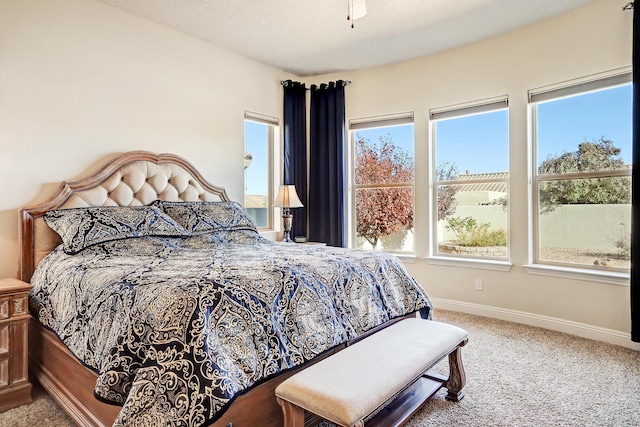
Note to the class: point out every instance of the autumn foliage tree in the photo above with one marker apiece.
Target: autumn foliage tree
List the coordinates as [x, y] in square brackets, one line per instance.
[382, 211]
[447, 202]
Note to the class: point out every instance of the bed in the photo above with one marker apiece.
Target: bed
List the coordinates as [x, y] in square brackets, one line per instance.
[174, 310]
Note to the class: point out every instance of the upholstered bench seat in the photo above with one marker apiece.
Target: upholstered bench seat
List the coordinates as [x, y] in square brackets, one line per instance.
[354, 383]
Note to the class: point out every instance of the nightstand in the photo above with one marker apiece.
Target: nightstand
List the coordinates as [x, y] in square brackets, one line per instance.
[15, 388]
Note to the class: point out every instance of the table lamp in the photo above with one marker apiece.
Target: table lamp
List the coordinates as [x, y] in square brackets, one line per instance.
[286, 199]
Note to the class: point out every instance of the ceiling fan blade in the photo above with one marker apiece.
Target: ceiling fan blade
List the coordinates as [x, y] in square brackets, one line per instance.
[359, 8]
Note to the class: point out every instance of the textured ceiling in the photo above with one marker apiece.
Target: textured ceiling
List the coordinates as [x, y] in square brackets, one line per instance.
[311, 37]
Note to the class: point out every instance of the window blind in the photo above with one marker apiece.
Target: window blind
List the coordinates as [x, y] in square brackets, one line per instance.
[381, 121]
[546, 94]
[261, 118]
[477, 107]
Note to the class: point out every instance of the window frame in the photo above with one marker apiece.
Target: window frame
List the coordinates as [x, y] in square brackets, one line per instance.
[367, 123]
[576, 87]
[478, 107]
[273, 126]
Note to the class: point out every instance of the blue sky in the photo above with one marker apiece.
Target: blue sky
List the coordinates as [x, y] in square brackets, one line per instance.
[255, 142]
[565, 123]
[479, 143]
[402, 136]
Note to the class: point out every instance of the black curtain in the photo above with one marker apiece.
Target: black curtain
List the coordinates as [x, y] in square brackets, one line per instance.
[295, 149]
[327, 165]
[635, 195]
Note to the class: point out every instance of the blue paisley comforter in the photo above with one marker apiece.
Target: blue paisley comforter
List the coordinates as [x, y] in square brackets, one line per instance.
[177, 327]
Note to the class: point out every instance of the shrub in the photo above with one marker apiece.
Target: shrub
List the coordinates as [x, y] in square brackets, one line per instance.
[623, 242]
[471, 233]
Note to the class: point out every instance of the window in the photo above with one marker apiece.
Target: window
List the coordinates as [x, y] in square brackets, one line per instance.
[470, 180]
[582, 174]
[383, 183]
[258, 157]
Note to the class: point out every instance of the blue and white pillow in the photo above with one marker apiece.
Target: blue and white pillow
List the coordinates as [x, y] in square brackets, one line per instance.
[80, 228]
[207, 217]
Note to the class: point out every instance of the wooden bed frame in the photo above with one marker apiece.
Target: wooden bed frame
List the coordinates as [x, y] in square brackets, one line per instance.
[133, 178]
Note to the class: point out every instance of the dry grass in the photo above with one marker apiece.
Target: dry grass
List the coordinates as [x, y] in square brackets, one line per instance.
[585, 256]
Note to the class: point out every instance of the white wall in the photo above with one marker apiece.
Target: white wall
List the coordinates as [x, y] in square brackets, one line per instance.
[81, 81]
[588, 40]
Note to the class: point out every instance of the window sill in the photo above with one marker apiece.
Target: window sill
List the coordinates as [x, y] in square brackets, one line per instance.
[608, 277]
[268, 233]
[406, 258]
[470, 263]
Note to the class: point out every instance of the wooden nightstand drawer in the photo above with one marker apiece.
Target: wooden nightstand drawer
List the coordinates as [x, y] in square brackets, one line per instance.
[15, 305]
[4, 339]
[19, 305]
[4, 308]
[15, 388]
[4, 372]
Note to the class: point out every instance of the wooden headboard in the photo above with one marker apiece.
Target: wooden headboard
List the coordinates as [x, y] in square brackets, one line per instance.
[134, 178]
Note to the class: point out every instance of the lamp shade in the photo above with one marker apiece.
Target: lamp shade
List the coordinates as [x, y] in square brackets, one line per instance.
[287, 197]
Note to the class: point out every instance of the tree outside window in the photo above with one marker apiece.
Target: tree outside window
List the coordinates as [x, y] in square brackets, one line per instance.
[583, 177]
[383, 178]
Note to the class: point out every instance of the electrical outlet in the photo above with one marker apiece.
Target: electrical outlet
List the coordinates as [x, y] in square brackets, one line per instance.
[478, 284]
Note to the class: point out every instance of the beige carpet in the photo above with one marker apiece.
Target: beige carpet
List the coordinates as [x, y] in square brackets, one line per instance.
[516, 376]
[523, 376]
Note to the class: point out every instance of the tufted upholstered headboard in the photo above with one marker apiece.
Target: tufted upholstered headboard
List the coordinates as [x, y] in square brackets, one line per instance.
[134, 178]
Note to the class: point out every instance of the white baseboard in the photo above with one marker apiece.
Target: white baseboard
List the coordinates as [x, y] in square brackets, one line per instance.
[555, 324]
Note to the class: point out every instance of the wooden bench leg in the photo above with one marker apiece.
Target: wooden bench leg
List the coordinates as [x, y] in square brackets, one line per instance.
[293, 415]
[457, 378]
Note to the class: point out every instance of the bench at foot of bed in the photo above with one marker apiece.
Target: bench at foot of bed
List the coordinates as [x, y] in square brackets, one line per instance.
[383, 379]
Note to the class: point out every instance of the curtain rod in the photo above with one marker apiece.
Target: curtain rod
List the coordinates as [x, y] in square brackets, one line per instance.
[628, 6]
[285, 83]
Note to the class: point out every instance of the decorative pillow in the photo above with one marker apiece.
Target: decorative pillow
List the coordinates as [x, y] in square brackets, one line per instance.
[206, 217]
[83, 227]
